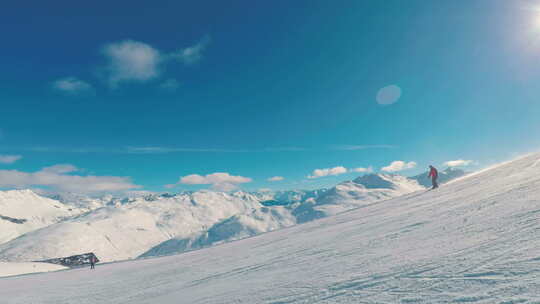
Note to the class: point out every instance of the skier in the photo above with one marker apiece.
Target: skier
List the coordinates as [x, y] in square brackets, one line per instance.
[434, 174]
[92, 261]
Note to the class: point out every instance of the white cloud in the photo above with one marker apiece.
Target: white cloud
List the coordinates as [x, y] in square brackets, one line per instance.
[275, 179]
[399, 165]
[458, 163]
[131, 61]
[192, 54]
[362, 170]
[71, 85]
[264, 190]
[56, 178]
[194, 179]
[326, 172]
[221, 181]
[9, 159]
[135, 61]
[388, 95]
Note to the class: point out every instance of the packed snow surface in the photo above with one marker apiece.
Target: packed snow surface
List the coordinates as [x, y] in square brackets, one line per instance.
[475, 240]
[11, 269]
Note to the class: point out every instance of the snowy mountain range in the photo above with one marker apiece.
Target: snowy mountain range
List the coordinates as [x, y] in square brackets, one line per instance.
[160, 224]
[474, 240]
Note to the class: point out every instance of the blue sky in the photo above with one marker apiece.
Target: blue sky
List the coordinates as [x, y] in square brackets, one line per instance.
[135, 96]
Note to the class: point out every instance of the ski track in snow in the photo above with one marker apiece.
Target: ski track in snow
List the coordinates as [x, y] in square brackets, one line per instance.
[475, 240]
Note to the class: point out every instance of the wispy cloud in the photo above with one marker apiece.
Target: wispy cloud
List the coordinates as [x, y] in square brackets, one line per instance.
[458, 163]
[192, 54]
[72, 86]
[170, 84]
[159, 150]
[221, 181]
[62, 178]
[362, 147]
[275, 178]
[282, 149]
[135, 61]
[52, 149]
[162, 150]
[9, 159]
[168, 149]
[399, 165]
[118, 150]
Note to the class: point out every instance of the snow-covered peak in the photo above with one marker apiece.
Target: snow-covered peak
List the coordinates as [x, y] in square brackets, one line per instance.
[27, 203]
[22, 211]
[386, 181]
[80, 200]
[18, 194]
[374, 181]
[364, 190]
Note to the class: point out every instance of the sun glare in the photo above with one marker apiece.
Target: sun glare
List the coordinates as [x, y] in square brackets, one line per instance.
[536, 19]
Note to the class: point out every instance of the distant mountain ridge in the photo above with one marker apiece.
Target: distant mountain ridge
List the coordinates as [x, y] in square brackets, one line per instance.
[158, 224]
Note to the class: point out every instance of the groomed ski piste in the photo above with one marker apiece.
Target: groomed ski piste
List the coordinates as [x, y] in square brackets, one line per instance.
[473, 240]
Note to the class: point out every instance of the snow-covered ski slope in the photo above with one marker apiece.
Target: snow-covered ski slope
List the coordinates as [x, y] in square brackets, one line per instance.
[11, 269]
[475, 240]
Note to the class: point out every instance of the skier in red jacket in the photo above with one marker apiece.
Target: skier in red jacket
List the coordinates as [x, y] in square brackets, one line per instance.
[434, 174]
